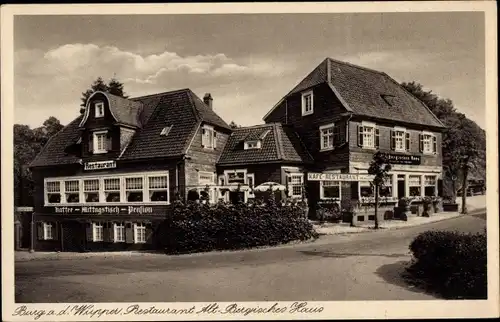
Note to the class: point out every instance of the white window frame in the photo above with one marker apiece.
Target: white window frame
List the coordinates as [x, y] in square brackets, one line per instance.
[250, 176]
[150, 190]
[95, 137]
[323, 136]
[48, 231]
[46, 192]
[101, 191]
[137, 237]
[322, 191]
[291, 184]
[97, 231]
[304, 97]
[67, 191]
[373, 127]
[428, 137]
[412, 185]
[142, 189]
[99, 109]
[166, 130]
[119, 227]
[208, 137]
[396, 132]
[254, 144]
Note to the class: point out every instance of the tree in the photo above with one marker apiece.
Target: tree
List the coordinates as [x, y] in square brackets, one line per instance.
[233, 125]
[113, 87]
[379, 167]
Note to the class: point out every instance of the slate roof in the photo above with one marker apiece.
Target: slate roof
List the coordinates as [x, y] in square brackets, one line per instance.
[281, 144]
[180, 108]
[362, 89]
[125, 111]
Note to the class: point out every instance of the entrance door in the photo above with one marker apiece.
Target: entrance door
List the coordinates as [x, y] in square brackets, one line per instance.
[73, 237]
[401, 186]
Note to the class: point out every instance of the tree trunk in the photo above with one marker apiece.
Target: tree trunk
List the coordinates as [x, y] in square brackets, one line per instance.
[464, 190]
[376, 207]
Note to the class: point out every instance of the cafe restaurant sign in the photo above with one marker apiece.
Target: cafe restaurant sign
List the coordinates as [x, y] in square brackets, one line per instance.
[312, 176]
[403, 159]
[106, 210]
[99, 165]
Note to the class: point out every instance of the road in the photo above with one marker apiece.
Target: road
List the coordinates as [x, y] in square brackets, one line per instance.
[364, 266]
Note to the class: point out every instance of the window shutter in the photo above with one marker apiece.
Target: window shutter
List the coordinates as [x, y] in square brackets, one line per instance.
[434, 144]
[55, 231]
[203, 138]
[89, 232]
[407, 141]
[393, 140]
[111, 232]
[129, 233]
[105, 232]
[377, 137]
[39, 231]
[149, 234]
[354, 190]
[336, 135]
[91, 144]
[109, 143]
[421, 142]
[360, 135]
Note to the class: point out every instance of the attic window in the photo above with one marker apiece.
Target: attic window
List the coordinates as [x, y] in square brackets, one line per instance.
[264, 134]
[389, 99]
[99, 109]
[166, 130]
[254, 144]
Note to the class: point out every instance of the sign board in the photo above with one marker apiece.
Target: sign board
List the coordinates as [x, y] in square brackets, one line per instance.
[24, 209]
[99, 165]
[106, 210]
[312, 176]
[403, 159]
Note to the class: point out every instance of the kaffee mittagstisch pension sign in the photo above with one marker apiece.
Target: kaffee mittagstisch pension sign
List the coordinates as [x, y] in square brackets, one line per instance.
[109, 210]
[99, 165]
[312, 176]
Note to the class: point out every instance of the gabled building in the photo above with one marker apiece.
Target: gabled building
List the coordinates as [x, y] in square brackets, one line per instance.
[344, 113]
[107, 179]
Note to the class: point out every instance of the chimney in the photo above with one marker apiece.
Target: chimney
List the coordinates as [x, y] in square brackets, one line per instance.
[207, 99]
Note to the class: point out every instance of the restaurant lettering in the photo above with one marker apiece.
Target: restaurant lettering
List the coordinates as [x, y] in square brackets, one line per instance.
[403, 159]
[311, 176]
[113, 210]
[99, 165]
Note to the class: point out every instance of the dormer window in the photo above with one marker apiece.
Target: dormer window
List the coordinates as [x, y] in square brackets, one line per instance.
[100, 140]
[307, 103]
[389, 99]
[208, 137]
[99, 109]
[165, 130]
[252, 145]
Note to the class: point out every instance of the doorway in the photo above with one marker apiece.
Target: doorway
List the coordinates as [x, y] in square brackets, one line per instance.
[401, 186]
[73, 237]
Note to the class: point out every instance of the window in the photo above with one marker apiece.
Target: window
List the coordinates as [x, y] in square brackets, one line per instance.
[330, 190]
[368, 136]
[97, 231]
[295, 183]
[91, 190]
[133, 189]
[112, 189]
[208, 137]
[165, 130]
[252, 145]
[307, 103]
[158, 188]
[414, 184]
[99, 109]
[72, 190]
[119, 232]
[236, 177]
[330, 136]
[100, 142]
[430, 186]
[140, 233]
[400, 140]
[386, 188]
[251, 184]
[366, 189]
[48, 231]
[428, 143]
[53, 192]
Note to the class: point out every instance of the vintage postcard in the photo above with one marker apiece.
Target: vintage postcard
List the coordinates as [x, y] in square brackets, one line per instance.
[249, 161]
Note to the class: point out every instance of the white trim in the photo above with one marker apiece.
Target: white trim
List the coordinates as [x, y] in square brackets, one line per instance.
[396, 130]
[212, 174]
[248, 147]
[95, 145]
[115, 232]
[290, 185]
[211, 138]
[321, 136]
[136, 239]
[45, 226]
[370, 124]
[250, 194]
[98, 105]
[432, 137]
[303, 105]
[322, 192]
[95, 225]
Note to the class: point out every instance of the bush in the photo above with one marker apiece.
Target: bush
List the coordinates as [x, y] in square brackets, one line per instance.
[201, 227]
[451, 263]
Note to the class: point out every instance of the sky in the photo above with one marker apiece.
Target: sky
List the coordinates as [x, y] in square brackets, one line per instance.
[248, 62]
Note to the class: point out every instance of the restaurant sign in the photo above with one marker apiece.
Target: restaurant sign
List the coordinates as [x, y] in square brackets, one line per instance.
[403, 159]
[312, 176]
[99, 165]
[106, 210]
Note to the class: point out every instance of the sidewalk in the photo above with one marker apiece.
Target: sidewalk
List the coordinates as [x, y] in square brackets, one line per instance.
[24, 255]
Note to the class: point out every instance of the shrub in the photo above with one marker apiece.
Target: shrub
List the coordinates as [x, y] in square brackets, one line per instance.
[196, 227]
[451, 263]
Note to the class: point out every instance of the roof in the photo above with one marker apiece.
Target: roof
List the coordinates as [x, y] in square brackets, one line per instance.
[368, 92]
[280, 144]
[180, 108]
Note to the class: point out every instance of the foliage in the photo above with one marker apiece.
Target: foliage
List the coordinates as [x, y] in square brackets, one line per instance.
[450, 263]
[233, 125]
[328, 211]
[113, 87]
[198, 227]
[27, 144]
[379, 167]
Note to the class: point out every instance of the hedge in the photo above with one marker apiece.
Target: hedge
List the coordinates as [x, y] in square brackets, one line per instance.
[196, 227]
[452, 264]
